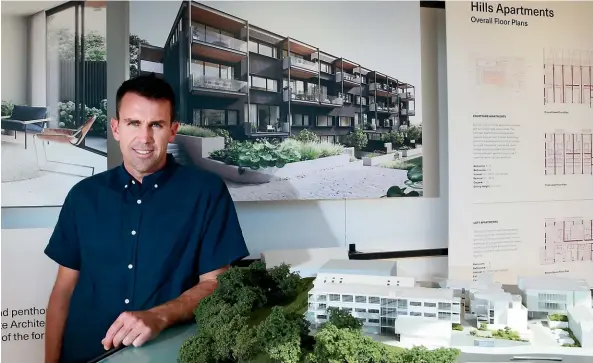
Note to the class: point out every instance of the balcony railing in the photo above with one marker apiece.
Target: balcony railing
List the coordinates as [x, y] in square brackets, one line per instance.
[378, 107]
[332, 100]
[381, 87]
[219, 40]
[305, 96]
[300, 63]
[404, 112]
[219, 84]
[406, 95]
[347, 77]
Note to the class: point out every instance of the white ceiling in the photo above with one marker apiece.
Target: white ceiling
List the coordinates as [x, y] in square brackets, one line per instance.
[23, 8]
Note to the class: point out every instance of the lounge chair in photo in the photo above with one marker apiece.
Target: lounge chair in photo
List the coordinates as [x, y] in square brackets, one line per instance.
[67, 137]
[26, 119]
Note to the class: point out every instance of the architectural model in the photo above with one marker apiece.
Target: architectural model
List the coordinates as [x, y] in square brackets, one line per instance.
[552, 311]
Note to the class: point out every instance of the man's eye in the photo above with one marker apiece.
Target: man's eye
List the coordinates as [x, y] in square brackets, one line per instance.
[157, 125]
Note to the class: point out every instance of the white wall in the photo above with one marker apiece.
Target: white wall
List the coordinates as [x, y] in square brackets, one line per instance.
[37, 59]
[14, 54]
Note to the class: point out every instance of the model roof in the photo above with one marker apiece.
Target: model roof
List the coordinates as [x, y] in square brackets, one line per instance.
[359, 267]
[552, 283]
[393, 292]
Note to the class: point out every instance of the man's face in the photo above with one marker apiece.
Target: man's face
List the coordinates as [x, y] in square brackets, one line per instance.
[143, 130]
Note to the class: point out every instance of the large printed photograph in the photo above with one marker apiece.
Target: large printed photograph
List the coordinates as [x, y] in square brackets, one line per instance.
[54, 100]
[291, 100]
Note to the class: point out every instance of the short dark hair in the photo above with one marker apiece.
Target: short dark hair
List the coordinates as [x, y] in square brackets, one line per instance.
[148, 86]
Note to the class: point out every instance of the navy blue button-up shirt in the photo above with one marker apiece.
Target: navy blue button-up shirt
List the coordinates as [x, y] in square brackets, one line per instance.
[139, 245]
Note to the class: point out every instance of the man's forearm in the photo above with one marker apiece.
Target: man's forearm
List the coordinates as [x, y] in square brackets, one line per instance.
[57, 312]
[181, 309]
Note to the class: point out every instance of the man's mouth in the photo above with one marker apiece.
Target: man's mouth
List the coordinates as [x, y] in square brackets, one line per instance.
[143, 152]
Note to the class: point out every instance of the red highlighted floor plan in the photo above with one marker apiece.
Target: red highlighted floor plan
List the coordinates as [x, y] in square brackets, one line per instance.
[568, 154]
[567, 240]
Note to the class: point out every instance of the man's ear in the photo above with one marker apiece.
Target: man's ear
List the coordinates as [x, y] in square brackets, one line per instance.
[115, 128]
[174, 129]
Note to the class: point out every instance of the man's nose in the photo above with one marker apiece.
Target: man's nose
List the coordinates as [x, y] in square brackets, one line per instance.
[145, 134]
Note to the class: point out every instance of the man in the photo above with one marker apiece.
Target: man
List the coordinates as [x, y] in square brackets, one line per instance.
[138, 246]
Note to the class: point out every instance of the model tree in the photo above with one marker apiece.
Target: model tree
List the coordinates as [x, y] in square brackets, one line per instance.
[256, 315]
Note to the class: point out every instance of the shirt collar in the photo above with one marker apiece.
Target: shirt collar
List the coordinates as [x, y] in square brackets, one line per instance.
[156, 179]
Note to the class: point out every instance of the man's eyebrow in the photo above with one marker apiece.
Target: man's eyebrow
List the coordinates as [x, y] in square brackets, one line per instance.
[150, 122]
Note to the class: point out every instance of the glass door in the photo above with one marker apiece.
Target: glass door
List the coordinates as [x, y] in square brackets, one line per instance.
[77, 69]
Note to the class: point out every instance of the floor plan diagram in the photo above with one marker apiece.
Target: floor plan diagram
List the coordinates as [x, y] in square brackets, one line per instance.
[568, 154]
[568, 77]
[567, 240]
[500, 72]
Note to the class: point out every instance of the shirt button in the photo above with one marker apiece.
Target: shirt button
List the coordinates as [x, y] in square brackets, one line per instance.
[139, 201]
[156, 185]
[133, 182]
[127, 301]
[130, 266]
[125, 186]
[133, 233]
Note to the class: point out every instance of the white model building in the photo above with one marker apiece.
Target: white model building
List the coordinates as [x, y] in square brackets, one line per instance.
[547, 295]
[580, 322]
[490, 304]
[372, 292]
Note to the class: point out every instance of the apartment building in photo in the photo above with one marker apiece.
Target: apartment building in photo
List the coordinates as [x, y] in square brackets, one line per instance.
[553, 295]
[231, 74]
[372, 292]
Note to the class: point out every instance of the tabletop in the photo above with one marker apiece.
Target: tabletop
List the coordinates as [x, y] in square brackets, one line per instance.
[163, 349]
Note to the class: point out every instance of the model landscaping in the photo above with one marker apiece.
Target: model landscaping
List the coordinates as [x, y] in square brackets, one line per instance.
[257, 315]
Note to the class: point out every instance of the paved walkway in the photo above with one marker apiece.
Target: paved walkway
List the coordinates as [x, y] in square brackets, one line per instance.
[352, 181]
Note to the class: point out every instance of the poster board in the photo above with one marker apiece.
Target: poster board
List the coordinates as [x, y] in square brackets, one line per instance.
[520, 93]
[27, 279]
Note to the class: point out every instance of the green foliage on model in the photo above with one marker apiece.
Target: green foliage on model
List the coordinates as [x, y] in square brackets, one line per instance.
[256, 315]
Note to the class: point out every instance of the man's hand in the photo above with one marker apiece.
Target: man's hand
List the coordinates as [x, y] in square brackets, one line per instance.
[133, 328]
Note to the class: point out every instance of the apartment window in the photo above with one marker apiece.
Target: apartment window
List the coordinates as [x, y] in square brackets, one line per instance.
[363, 79]
[300, 120]
[374, 321]
[324, 121]
[263, 118]
[345, 121]
[444, 316]
[263, 49]
[334, 297]
[400, 312]
[347, 298]
[213, 117]
[374, 300]
[430, 315]
[210, 117]
[551, 297]
[212, 70]
[321, 297]
[232, 117]
[415, 303]
[322, 306]
[264, 83]
[209, 34]
[329, 139]
[415, 313]
[373, 311]
[551, 306]
[444, 306]
[326, 67]
[347, 310]
[361, 299]
[359, 310]
[430, 305]
[321, 317]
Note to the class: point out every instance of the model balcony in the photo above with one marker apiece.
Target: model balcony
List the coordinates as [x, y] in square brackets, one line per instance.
[406, 95]
[304, 97]
[299, 67]
[216, 46]
[216, 86]
[333, 101]
[349, 79]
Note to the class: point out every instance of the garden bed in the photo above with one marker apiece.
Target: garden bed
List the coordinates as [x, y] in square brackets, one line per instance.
[249, 176]
[374, 159]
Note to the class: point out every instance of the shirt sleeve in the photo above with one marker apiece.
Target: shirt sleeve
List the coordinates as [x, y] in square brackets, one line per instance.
[63, 246]
[222, 241]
